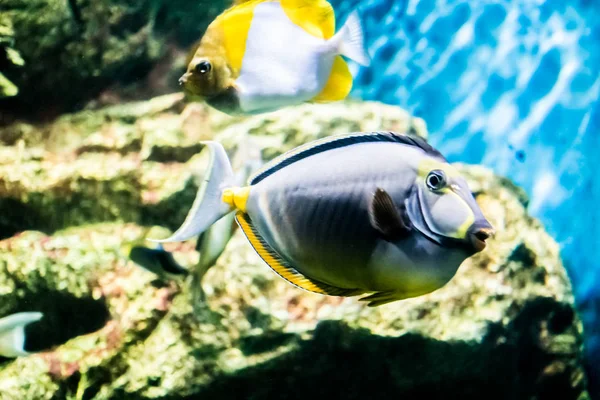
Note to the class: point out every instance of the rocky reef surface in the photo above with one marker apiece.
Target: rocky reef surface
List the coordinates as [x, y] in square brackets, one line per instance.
[74, 191]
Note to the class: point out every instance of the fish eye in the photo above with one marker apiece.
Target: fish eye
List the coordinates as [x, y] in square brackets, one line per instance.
[436, 180]
[203, 67]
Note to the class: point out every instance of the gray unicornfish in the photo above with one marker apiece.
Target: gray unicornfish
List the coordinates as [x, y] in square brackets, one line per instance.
[380, 213]
[12, 333]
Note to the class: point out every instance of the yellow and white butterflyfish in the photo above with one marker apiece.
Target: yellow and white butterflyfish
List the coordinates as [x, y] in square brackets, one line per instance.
[263, 55]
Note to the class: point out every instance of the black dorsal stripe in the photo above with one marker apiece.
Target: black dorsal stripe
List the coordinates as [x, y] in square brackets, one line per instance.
[335, 142]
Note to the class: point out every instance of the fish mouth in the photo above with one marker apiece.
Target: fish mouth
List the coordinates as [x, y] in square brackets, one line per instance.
[183, 79]
[477, 236]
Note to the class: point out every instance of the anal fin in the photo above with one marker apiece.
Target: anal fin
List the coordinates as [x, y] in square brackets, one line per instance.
[381, 298]
[282, 267]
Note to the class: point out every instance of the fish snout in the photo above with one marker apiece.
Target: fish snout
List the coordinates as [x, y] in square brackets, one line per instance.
[478, 233]
[183, 79]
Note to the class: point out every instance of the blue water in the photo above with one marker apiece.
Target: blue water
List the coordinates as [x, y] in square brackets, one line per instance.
[512, 85]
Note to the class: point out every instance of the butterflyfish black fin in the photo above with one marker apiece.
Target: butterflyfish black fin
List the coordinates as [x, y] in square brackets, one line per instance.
[387, 218]
[282, 267]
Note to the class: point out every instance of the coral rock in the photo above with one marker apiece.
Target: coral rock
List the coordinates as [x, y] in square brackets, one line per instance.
[504, 327]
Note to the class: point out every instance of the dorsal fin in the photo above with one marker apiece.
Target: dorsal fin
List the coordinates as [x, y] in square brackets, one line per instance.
[316, 17]
[334, 142]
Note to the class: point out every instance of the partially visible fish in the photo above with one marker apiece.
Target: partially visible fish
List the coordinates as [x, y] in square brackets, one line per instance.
[381, 213]
[157, 260]
[263, 55]
[12, 333]
[211, 243]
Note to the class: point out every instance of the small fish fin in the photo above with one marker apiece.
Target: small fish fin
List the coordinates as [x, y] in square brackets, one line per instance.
[214, 241]
[380, 298]
[196, 289]
[283, 268]
[386, 218]
[167, 262]
[157, 261]
[336, 142]
[384, 297]
[208, 206]
[12, 333]
[316, 17]
[338, 85]
[350, 41]
[201, 238]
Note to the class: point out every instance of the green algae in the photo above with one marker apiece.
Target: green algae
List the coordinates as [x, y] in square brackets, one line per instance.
[9, 57]
[91, 46]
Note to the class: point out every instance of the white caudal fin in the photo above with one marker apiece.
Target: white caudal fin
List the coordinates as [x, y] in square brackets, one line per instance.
[208, 206]
[12, 333]
[350, 40]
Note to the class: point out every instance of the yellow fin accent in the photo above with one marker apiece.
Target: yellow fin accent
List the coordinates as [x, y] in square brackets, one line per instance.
[338, 85]
[316, 17]
[236, 197]
[282, 267]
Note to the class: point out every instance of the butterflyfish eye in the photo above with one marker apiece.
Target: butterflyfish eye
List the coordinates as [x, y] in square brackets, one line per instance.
[436, 180]
[203, 67]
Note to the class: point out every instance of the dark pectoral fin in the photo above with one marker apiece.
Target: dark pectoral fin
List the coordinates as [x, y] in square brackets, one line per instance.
[283, 268]
[227, 101]
[386, 218]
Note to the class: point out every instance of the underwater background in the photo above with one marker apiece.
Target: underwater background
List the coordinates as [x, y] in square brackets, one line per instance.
[513, 86]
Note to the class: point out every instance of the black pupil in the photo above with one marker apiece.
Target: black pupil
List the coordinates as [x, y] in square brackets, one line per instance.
[436, 181]
[203, 67]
